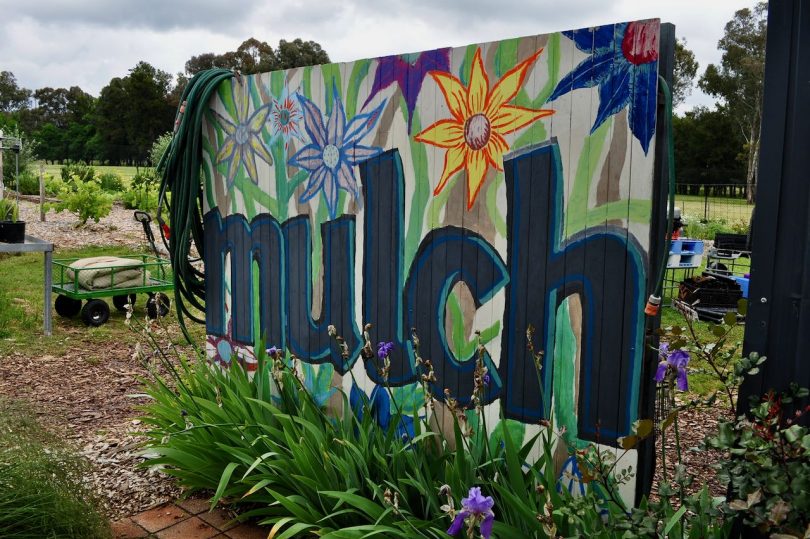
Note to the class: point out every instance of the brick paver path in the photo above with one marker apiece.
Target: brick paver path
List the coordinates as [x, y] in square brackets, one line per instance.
[186, 519]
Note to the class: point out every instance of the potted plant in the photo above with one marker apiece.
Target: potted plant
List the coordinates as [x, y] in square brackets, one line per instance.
[11, 229]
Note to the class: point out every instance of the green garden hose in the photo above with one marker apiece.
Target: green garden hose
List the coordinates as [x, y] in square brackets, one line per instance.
[655, 298]
[180, 170]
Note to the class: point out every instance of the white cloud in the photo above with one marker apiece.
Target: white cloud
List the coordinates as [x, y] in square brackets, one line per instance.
[88, 42]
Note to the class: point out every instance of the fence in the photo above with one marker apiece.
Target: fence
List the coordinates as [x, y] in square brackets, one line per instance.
[725, 202]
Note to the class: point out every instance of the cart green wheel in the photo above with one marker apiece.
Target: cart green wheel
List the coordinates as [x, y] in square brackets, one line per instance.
[95, 312]
[157, 305]
[121, 301]
[67, 307]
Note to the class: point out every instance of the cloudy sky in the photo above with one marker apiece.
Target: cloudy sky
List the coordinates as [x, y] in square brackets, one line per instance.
[62, 43]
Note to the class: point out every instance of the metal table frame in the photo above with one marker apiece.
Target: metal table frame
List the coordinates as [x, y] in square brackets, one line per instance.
[36, 245]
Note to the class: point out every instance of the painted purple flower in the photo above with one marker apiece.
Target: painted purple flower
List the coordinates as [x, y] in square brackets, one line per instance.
[487, 379]
[334, 150]
[677, 361]
[409, 72]
[476, 508]
[624, 65]
[384, 349]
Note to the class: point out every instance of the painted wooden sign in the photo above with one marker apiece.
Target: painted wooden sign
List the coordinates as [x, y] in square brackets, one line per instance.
[467, 194]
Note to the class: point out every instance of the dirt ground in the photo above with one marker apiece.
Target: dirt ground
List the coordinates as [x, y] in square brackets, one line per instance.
[91, 393]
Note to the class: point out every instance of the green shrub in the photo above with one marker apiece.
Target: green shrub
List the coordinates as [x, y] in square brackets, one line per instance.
[143, 178]
[111, 182]
[41, 490]
[85, 199]
[159, 147]
[54, 185]
[77, 172]
[141, 198]
[28, 183]
[8, 210]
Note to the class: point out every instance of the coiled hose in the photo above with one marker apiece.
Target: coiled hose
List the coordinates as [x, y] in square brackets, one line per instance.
[180, 169]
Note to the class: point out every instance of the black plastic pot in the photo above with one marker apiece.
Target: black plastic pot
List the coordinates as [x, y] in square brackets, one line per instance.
[12, 231]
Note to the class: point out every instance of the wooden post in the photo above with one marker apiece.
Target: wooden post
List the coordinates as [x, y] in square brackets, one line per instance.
[41, 193]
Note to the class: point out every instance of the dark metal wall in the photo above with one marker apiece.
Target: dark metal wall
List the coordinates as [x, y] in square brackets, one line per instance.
[778, 323]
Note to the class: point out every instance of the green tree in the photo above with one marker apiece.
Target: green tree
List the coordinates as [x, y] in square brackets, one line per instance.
[51, 143]
[738, 80]
[148, 113]
[254, 56]
[707, 146]
[298, 53]
[12, 97]
[111, 142]
[683, 77]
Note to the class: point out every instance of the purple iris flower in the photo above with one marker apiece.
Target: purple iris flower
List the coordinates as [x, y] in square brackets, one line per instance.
[334, 150]
[477, 507]
[623, 63]
[487, 379]
[384, 349]
[272, 351]
[677, 360]
[408, 71]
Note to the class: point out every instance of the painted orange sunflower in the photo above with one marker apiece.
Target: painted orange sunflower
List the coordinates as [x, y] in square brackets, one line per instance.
[474, 136]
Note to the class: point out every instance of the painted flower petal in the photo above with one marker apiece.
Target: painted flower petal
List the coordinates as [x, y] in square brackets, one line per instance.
[663, 349]
[458, 522]
[614, 93]
[330, 192]
[228, 126]
[257, 144]
[495, 148]
[336, 127]
[313, 121]
[479, 85]
[362, 124]
[346, 180]
[454, 94]
[259, 117]
[642, 110]
[250, 165]
[507, 88]
[309, 157]
[358, 153]
[590, 72]
[444, 134]
[486, 526]
[661, 372]
[227, 150]
[242, 99]
[510, 118]
[454, 160]
[315, 184]
[476, 172]
[589, 39]
[233, 166]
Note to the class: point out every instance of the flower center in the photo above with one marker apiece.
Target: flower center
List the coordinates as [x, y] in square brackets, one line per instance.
[284, 116]
[640, 42]
[477, 131]
[242, 134]
[331, 156]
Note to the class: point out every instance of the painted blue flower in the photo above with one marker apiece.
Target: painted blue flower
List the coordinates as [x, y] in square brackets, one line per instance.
[380, 407]
[624, 64]
[334, 150]
[476, 510]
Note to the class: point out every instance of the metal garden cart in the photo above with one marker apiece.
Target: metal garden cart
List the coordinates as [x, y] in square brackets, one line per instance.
[155, 278]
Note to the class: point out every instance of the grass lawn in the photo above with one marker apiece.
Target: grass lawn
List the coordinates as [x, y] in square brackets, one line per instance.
[21, 308]
[126, 173]
[732, 210]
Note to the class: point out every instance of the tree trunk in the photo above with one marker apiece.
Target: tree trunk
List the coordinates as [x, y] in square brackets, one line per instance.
[751, 173]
